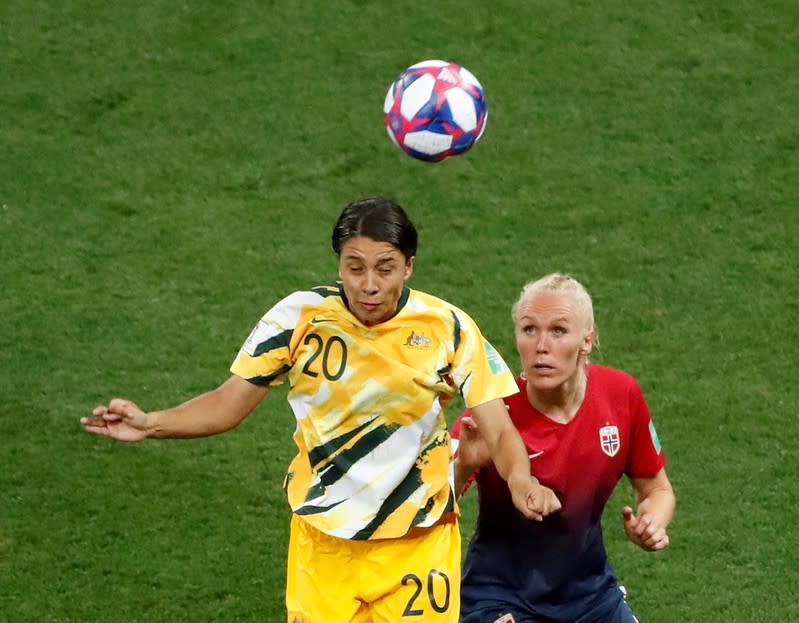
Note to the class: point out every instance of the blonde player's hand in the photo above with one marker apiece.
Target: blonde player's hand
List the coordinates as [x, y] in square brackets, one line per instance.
[644, 530]
[121, 419]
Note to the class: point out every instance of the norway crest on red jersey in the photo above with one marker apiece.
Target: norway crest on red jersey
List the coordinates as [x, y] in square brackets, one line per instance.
[609, 440]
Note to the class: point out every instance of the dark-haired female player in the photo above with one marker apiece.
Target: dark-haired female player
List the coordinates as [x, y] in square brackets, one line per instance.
[371, 364]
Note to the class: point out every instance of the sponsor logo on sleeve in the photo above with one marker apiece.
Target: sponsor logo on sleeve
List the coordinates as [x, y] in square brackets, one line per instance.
[495, 362]
[654, 435]
[251, 343]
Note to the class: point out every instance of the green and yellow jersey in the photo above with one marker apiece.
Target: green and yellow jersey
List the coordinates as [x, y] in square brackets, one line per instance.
[374, 449]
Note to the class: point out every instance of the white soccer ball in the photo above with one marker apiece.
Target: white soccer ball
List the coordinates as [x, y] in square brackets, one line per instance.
[435, 109]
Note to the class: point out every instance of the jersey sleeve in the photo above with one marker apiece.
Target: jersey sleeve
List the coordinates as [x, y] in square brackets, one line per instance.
[646, 456]
[478, 370]
[264, 358]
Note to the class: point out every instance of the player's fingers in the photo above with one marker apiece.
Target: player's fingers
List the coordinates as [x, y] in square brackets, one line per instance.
[91, 425]
[639, 525]
[655, 542]
[119, 405]
[533, 513]
[653, 531]
[654, 535]
[543, 501]
[538, 505]
[627, 513]
[646, 528]
[122, 407]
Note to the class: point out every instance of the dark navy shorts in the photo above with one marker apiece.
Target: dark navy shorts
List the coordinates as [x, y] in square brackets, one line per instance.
[617, 611]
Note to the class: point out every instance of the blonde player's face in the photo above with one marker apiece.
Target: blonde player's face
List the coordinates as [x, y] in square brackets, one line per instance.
[552, 338]
[373, 274]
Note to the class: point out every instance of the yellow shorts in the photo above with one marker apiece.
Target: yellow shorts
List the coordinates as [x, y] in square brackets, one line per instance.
[413, 579]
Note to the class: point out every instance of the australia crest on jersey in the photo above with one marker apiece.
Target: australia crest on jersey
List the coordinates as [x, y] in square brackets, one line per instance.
[609, 440]
[417, 340]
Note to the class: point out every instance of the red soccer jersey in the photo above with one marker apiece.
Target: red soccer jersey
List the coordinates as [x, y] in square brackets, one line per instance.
[562, 559]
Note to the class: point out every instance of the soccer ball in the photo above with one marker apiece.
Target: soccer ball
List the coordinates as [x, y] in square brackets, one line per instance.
[434, 110]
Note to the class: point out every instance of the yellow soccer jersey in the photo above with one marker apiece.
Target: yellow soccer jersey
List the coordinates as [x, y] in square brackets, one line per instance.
[374, 449]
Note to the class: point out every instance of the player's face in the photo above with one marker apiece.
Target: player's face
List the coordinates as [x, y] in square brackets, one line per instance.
[373, 274]
[552, 338]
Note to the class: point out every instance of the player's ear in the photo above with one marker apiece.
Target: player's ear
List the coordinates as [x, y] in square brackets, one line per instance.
[588, 344]
[409, 266]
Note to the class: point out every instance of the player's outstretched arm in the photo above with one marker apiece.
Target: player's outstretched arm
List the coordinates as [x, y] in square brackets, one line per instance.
[509, 455]
[647, 526]
[210, 413]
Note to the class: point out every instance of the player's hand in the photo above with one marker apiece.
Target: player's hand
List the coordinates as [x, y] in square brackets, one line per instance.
[121, 419]
[644, 530]
[534, 500]
[472, 449]
[542, 501]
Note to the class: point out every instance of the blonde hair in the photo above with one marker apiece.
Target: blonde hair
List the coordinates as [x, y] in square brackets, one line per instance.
[560, 283]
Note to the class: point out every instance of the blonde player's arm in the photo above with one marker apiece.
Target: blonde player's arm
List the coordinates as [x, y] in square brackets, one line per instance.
[510, 457]
[647, 526]
[210, 413]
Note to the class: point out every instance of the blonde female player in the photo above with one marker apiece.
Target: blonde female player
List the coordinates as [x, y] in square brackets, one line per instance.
[585, 426]
[371, 365]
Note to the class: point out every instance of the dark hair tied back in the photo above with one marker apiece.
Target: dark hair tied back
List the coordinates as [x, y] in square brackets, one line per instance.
[379, 219]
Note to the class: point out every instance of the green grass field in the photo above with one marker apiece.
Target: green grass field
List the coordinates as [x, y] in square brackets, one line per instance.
[169, 170]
